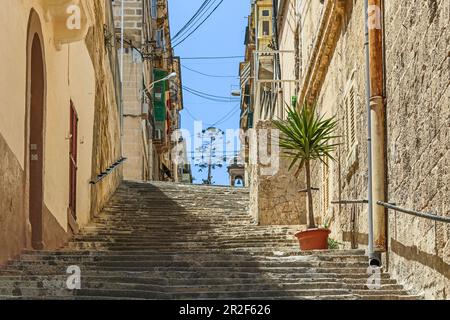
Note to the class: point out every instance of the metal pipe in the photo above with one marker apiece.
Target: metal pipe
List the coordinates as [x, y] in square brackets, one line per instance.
[122, 39]
[377, 105]
[369, 134]
[350, 202]
[430, 216]
[122, 26]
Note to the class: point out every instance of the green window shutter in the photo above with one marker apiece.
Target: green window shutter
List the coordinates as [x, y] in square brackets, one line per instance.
[159, 95]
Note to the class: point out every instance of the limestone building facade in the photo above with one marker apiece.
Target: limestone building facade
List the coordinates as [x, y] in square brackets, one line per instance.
[151, 107]
[59, 120]
[329, 62]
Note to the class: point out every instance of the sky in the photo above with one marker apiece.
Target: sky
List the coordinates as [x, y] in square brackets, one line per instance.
[221, 35]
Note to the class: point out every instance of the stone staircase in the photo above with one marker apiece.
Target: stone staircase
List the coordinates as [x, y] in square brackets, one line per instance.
[170, 241]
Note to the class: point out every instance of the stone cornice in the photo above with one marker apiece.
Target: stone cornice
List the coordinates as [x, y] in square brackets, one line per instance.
[323, 49]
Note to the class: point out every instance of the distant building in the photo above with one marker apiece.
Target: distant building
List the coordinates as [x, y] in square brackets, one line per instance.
[151, 107]
[236, 172]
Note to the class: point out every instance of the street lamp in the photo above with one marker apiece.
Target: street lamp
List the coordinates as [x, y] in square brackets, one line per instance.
[169, 77]
[237, 93]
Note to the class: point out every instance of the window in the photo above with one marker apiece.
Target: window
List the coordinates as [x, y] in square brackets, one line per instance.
[154, 9]
[265, 13]
[350, 118]
[325, 185]
[266, 28]
[160, 41]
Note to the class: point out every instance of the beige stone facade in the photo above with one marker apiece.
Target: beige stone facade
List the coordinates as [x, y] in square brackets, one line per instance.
[147, 51]
[330, 58]
[271, 203]
[47, 161]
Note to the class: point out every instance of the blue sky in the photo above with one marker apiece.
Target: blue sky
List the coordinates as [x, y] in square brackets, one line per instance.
[221, 35]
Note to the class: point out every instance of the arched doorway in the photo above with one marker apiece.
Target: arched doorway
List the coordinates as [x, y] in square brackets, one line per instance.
[35, 138]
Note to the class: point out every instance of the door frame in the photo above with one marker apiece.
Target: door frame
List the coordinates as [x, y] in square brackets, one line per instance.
[73, 160]
[35, 222]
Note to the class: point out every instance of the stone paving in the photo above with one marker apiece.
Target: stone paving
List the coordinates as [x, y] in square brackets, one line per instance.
[172, 241]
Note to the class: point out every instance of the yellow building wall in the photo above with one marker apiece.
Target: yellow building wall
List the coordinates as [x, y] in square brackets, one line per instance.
[69, 76]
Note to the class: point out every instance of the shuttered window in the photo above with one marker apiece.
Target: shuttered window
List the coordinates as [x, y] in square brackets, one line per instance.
[350, 118]
[325, 185]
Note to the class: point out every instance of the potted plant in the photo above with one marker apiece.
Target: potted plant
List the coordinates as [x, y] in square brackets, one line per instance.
[307, 137]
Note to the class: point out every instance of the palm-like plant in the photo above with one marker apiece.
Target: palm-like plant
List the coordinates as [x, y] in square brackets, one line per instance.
[306, 136]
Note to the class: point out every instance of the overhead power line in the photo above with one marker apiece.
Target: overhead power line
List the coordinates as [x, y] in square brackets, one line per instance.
[190, 114]
[194, 23]
[202, 7]
[228, 116]
[208, 75]
[211, 95]
[212, 58]
[227, 100]
[201, 23]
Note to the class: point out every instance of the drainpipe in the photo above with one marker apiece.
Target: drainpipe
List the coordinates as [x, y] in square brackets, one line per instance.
[374, 15]
[373, 258]
[122, 51]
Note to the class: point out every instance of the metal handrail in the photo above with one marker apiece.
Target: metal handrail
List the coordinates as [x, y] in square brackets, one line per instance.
[350, 202]
[430, 216]
[108, 171]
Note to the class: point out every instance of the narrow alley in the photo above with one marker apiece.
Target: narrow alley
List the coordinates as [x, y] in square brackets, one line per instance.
[225, 150]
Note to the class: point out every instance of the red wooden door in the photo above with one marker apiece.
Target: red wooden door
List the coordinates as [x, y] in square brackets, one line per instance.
[73, 155]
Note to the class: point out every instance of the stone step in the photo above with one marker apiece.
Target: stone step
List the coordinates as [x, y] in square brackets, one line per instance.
[171, 241]
[269, 253]
[70, 256]
[54, 268]
[39, 281]
[182, 265]
[147, 294]
[169, 286]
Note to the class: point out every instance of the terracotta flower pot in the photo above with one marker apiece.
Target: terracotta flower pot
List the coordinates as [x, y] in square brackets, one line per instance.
[313, 239]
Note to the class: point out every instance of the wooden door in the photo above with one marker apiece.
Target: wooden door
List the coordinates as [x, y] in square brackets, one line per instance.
[73, 158]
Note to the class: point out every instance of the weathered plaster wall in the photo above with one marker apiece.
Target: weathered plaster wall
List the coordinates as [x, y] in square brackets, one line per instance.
[13, 228]
[70, 75]
[134, 145]
[106, 146]
[275, 198]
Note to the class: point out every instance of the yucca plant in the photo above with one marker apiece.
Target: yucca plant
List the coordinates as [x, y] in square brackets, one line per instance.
[305, 137]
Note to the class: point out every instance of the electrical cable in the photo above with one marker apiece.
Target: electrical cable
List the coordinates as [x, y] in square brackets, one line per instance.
[209, 15]
[206, 97]
[194, 23]
[190, 114]
[227, 116]
[192, 18]
[211, 95]
[209, 75]
[212, 58]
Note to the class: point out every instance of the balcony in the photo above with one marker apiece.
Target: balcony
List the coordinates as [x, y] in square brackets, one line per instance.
[70, 19]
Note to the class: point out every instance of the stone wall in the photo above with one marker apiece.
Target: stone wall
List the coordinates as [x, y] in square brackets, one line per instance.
[106, 144]
[418, 135]
[418, 141]
[275, 198]
[13, 226]
[347, 176]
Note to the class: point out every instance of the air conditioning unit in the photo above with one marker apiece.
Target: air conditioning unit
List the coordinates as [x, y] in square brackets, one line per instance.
[158, 134]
